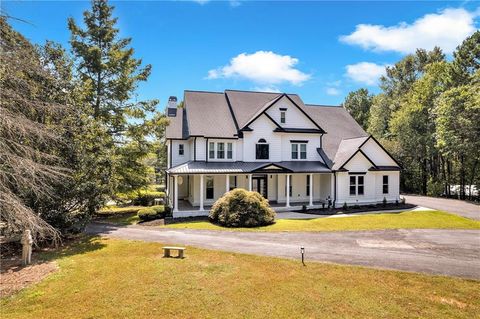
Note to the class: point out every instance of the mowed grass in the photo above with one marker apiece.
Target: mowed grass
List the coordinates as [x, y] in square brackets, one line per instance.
[107, 278]
[417, 219]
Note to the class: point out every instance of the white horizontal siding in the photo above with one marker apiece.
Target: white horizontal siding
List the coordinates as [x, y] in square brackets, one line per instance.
[377, 154]
[294, 117]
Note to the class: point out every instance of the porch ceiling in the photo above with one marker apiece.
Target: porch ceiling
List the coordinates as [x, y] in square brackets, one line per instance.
[201, 167]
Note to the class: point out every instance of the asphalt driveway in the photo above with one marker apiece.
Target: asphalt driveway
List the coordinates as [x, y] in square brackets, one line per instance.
[458, 207]
[433, 251]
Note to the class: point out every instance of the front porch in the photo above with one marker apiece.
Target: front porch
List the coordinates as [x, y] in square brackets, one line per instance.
[194, 194]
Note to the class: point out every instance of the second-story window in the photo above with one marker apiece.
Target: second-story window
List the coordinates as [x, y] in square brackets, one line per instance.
[299, 151]
[303, 151]
[229, 150]
[211, 150]
[181, 149]
[220, 150]
[283, 117]
[262, 149]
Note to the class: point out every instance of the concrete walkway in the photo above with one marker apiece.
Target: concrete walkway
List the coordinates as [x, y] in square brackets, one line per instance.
[445, 252]
[455, 206]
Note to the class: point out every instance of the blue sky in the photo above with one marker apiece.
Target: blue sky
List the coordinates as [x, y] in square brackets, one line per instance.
[320, 50]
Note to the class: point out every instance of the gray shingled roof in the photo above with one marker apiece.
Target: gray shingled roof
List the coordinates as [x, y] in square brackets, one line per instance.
[346, 149]
[176, 128]
[208, 114]
[202, 167]
[338, 124]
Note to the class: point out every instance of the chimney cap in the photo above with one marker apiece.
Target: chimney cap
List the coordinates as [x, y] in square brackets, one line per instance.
[172, 98]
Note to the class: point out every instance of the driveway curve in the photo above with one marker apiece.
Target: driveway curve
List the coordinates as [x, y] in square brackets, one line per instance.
[455, 206]
[432, 251]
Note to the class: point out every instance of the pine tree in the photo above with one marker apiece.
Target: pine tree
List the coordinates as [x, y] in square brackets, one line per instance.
[109, 75]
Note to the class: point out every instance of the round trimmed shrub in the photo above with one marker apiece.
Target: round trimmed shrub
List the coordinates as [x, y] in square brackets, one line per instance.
[241, 208]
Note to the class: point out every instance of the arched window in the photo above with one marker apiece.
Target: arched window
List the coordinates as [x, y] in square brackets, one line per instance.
[261, 149]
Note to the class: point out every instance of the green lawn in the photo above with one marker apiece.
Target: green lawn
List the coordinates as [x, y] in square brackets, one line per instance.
[106, 278]
[418, 219]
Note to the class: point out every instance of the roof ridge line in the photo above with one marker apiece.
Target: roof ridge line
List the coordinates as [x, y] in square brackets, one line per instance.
[249, 91]
[323, 105]
[351, 138]
[203, 91]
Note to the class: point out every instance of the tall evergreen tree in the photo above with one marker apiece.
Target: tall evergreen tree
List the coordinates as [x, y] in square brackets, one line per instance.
[109, 75]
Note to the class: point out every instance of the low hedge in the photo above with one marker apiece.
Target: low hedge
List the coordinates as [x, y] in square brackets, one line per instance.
[151, 213]
[241, 208]
[113, 210]
[147, 197]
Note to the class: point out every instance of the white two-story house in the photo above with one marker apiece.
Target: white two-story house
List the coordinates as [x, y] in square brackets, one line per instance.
[292, 153]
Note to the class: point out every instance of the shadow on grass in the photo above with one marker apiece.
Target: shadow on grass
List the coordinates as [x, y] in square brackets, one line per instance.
[80, 245]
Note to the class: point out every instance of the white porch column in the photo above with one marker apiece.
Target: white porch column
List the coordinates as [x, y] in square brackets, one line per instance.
[227, 183]
[250, 182]
[175, 193]
[287, 197]
[311, 190]
[201, 192]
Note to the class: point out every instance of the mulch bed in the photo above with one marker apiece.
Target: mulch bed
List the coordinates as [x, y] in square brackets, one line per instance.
[14, 276]
[359, 209]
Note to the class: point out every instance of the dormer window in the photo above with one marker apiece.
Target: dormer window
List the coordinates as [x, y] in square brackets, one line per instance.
[181, 149]
[262, 150]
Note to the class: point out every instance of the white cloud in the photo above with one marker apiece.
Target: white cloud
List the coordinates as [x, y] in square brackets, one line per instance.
[365, 72]
[264, 67]
[267, 89]
[234, 3]
[202, 2]
[446, 29]
[332, 91]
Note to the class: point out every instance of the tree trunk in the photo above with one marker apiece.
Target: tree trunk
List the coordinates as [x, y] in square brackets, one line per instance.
[472, 179]
[424, 176]
[462, 177]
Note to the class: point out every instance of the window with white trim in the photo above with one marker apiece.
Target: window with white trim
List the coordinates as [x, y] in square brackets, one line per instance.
[229, 150]
[357, 185]
[262, 149]
[211, 150]
[220, 150]
[283, 117]
[299, 150]
[181, 149]
[209, 182]
[385, 184]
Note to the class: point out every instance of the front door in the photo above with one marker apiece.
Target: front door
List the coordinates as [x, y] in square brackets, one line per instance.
[259, 184]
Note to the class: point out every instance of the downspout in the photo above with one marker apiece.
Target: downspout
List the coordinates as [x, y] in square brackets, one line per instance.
[334, 188]
[195, 149]
[206, 149]
[170, 163]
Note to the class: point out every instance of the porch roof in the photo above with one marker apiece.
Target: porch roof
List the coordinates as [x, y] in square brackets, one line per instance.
[202, 167]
